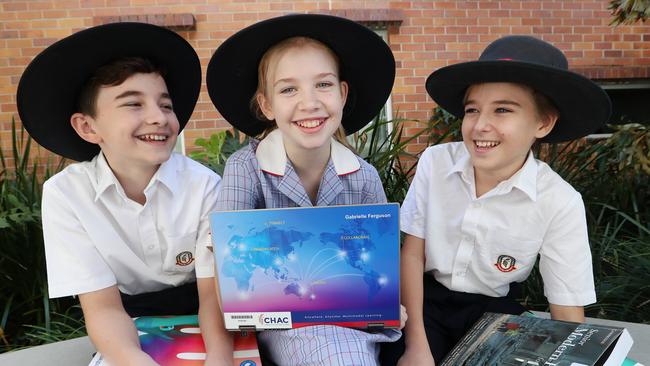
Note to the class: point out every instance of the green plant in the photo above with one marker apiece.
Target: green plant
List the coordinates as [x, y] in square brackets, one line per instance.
[23, 284]
[629, 11]
[387, 152]
[217, 148]
[62, 327]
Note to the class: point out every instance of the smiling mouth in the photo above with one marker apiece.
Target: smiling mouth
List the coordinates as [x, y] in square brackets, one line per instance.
[310, 123]
[483, 144]
[152, 137]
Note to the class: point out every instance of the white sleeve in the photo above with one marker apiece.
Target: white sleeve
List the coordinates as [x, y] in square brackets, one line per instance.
[565, 257]
[413, 212]
[74, 266]
[204, 265]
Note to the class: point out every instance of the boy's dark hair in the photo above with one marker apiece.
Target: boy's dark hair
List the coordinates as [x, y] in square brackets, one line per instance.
[112, 74]
[544, 104]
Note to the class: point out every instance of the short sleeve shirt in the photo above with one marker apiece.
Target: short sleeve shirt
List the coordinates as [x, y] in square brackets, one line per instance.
[481, 245]
[96, 237]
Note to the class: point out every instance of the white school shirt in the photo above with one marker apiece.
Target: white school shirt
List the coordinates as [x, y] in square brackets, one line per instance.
[481, 245]
[96, 237]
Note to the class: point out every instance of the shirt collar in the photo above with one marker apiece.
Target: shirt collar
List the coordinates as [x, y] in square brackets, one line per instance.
[525, 179]
[463, 165]
[166, 175]
[272, 157]
[104, 175]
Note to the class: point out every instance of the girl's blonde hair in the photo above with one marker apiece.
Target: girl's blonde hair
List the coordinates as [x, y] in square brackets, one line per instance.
[263, 74]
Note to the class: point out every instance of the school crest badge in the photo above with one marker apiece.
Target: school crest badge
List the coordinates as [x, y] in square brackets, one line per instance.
[184, 258]
[506, 263]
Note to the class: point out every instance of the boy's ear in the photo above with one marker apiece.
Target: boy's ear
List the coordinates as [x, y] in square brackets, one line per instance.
[546, 124]
[82, 124]
[265, 106]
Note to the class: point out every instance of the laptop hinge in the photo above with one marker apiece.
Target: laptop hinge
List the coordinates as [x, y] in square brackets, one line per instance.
[375, 327]
[244, 329]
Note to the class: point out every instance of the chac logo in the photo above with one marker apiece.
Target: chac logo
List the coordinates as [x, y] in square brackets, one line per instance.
[268, 319]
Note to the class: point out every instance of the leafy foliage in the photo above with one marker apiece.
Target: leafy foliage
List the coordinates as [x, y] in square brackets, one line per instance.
[629, 11]
[388, 153]
[23, 284]
[217, 148]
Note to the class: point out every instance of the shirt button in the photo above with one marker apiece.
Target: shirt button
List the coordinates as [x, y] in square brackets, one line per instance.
[150, 247]
[460, 274]
[476, 204]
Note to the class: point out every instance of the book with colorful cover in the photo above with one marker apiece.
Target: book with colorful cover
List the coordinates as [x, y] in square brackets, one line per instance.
[294, 267]
[509, 340]
[177, 341]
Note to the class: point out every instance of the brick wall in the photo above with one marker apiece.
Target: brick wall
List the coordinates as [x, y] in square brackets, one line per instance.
[424, 35]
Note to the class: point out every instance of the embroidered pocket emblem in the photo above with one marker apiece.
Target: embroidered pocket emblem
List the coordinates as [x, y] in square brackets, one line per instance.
[505, 263]
[184, 258]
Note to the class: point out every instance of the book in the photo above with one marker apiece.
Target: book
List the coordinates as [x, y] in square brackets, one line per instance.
[502, 339]
[294, 267]
[177, 341]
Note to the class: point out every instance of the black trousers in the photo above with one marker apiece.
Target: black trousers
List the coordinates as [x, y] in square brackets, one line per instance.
[181, 300]
[448, 315]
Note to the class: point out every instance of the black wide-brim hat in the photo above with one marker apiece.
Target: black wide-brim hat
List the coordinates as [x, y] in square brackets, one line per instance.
[49, 88]
[583, 105]
[367, 64]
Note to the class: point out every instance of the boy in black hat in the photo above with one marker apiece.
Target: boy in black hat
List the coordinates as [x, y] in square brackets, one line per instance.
[126, 228]
[479, 212]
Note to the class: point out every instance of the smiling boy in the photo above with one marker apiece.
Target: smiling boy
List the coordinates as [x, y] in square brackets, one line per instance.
[126, 228]
[479, 212]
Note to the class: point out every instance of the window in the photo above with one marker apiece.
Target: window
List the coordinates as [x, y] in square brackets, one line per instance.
[629, 101]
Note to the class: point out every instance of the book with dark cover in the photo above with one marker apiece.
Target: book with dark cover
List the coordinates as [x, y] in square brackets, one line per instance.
[511, 340]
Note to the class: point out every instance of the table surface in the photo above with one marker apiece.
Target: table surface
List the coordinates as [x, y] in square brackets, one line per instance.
[79, 351]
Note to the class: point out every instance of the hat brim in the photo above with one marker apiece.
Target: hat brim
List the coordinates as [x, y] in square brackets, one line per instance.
[367, 65]
[583, 105]
[49, 88]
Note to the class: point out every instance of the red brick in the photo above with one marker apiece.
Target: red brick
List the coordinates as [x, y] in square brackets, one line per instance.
[14, 6]
[613, 53]
[430, 34]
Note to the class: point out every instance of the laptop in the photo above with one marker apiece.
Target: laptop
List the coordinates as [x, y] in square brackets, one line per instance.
[294, 267]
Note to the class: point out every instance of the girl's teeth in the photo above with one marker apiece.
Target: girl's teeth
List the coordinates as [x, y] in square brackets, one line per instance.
[487, 143]
[309, 124]
[153, 137]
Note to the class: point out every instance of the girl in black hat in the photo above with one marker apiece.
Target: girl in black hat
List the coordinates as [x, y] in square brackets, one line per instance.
[300, 84]
[479, 212]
